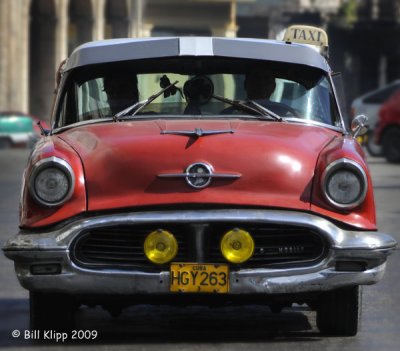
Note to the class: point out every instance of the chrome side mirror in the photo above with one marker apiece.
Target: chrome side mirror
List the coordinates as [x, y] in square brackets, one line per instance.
[359, 125]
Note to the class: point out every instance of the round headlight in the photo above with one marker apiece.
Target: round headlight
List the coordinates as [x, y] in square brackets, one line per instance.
[344, 184]
[237, 246]
[52, 182]
[160, 246]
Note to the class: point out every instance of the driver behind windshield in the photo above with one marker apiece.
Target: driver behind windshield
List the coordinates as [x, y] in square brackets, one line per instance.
[122, 90]
[259, 85]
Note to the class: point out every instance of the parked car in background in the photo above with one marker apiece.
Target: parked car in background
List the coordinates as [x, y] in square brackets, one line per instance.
[369, 105]
[387, 131]
[198, 170]
[18, 129]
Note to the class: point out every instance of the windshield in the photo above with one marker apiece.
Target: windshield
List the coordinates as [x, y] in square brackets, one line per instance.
[196, 85]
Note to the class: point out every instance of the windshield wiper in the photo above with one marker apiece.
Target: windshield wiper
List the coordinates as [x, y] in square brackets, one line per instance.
[138, 106]
[265, 111]
[256, 108]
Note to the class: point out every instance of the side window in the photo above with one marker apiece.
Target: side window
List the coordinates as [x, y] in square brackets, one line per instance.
[381, 96]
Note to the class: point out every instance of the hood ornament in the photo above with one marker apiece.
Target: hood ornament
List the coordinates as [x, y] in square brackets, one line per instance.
[197, 132]
[198, 175]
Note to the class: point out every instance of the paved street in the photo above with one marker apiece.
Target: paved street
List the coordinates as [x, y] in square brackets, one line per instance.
[245, 328]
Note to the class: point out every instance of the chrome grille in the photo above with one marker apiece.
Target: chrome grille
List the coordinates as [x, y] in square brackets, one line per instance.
[122, 246]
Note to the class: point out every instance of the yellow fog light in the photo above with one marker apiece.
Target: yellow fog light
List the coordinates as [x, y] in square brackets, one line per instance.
[160, 246]
[237, 246]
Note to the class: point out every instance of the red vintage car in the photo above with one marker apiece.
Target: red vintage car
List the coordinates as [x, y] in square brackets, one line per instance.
[387, 132]
[198, 170]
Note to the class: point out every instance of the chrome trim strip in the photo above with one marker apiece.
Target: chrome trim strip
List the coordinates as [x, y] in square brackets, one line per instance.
[336, 98]
[199, 175]
[81, 123]
[197, 132]
[310, 122]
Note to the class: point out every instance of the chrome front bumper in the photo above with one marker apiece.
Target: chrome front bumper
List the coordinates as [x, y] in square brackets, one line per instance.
[371, 248]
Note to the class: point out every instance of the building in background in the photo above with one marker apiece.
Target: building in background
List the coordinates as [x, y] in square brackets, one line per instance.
[36, 35]
[366, 45]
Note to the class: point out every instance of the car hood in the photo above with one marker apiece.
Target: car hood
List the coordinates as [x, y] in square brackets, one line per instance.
[274, 162]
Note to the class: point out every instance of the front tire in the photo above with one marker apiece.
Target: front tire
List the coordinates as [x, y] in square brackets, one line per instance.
[339, 311]
[51, 311]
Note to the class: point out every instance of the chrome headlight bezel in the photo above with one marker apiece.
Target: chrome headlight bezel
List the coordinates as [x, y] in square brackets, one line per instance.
[349, 165]
[51, 162]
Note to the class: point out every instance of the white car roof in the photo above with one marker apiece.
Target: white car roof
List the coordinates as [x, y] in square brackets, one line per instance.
[114, 50]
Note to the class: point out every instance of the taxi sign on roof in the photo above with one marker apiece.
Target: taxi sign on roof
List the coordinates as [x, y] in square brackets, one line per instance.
[306, 35]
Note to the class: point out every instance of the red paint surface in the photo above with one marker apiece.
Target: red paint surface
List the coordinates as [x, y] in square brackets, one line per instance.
[122, 162]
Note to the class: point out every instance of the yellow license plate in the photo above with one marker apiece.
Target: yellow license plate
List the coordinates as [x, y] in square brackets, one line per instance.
[199, 278]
